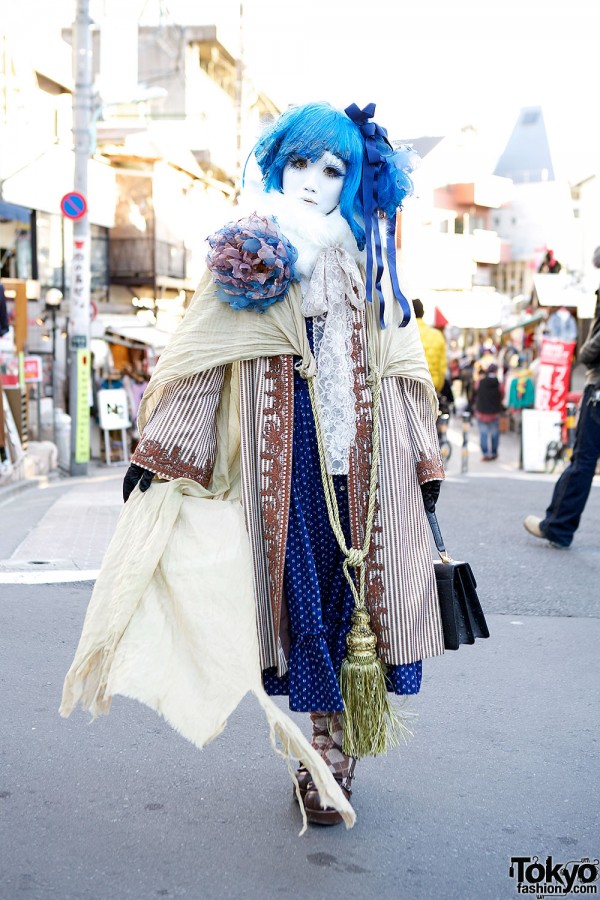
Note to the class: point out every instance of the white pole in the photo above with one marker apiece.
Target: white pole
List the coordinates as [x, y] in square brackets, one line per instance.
[79, 338]
[239, 101]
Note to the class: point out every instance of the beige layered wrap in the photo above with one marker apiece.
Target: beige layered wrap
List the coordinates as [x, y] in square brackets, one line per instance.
[171, 623]
[214, 334]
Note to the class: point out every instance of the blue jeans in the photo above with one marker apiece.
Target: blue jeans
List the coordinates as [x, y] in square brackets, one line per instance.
[573, 487]
[489, 437]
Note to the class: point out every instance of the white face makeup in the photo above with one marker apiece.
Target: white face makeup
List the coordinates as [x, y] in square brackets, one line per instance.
[318, 184]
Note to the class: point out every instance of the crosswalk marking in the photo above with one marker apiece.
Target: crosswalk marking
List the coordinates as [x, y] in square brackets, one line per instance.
[49, 577]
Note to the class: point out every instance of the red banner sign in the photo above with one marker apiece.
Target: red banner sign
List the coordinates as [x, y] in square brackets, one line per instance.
[554, 375]
[32, 366]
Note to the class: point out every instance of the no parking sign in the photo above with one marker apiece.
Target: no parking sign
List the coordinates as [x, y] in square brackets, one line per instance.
[73, 205]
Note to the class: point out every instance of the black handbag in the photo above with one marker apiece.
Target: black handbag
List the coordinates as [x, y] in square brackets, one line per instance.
[462, 615]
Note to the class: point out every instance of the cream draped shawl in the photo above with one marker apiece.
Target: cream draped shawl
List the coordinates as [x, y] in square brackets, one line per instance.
[212, 333]
[171, 623]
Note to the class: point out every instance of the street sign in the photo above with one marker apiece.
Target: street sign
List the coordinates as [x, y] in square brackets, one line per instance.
[32, 366]
[113, 409]
[554, 374]
[82, 429]
[80, 289]
[539, 427]
[73, 205]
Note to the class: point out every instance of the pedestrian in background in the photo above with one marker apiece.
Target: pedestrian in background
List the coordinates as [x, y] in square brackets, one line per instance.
[4, 324]
[573, 487]
[434, 345]
[5, 466]
[488, 408]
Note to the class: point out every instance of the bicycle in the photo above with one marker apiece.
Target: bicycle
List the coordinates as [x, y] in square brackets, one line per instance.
[557, 452]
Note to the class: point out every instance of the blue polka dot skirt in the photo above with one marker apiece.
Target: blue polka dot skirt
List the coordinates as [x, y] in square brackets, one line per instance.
[318, 596]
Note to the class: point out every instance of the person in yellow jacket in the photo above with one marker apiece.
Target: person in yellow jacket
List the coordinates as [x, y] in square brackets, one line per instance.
[434, 345]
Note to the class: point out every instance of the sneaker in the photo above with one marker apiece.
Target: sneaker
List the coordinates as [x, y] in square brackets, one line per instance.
[532, 525]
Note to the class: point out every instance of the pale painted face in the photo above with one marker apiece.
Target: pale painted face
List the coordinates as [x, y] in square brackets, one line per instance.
[318, 184]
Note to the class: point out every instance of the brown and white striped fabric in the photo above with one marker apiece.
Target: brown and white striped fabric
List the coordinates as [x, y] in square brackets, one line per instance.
[266, 421]
[412, 616]
[180, 441]
[400, 580]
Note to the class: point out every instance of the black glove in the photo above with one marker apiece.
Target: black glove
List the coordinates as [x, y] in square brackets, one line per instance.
[133, 475]
[431, 492]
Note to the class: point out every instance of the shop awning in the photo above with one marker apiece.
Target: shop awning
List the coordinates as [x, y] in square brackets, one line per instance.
[467, 309]
[12, 212]
[530, 320]
[558, 290]
[138, 338]
[129, 331]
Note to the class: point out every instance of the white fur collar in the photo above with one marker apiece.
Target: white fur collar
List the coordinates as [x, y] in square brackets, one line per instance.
[308, 230]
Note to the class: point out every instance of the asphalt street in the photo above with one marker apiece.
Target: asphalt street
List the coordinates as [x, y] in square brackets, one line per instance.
[503, 761]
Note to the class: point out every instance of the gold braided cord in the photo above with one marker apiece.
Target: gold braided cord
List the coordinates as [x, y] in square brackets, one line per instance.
[353, 556]
[370, 725]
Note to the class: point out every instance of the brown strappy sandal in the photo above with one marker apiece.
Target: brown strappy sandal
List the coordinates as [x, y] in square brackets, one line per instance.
[304, 779]
[315, 813]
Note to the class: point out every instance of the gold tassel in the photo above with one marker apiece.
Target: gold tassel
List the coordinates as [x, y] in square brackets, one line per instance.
[371, 726]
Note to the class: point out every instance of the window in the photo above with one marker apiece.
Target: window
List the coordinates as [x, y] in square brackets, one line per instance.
[99, 263]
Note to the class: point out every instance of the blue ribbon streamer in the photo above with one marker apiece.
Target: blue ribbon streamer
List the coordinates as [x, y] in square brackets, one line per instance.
[373, 161]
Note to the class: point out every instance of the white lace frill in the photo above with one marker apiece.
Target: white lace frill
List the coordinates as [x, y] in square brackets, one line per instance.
[335, 287]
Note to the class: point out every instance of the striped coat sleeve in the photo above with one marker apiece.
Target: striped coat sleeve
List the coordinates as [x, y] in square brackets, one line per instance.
[179, 440]
[422, 431]
[406, 609]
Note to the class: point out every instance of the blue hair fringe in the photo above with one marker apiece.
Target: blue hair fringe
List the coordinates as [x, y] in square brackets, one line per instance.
[311, 130]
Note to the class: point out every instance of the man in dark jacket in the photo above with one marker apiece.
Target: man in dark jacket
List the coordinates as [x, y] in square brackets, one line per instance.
[488, 407]
[573, 487]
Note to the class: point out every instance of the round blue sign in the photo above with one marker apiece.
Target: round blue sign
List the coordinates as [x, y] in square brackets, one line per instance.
[73, 205]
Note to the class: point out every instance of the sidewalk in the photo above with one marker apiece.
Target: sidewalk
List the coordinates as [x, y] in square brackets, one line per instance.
[67, 531]
[77, 516]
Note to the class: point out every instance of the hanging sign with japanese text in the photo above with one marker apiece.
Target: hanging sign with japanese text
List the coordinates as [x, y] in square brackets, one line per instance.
[554, 375]
[80, 292]
[82, 429]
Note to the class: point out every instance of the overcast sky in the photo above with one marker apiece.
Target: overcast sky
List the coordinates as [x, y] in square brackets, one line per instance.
[431, 66]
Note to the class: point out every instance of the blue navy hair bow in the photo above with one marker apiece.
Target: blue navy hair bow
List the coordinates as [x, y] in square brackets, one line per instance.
[377, 148]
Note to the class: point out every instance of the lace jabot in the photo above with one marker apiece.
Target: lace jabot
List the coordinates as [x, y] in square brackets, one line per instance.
[335, 287]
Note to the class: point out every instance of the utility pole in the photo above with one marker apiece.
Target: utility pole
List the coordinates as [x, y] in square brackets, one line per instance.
[79, 333]
[239, 102]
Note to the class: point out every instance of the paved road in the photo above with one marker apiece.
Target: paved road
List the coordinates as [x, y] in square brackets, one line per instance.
[503, 761]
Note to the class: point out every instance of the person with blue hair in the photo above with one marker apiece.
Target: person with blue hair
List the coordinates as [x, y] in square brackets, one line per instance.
[308, 132]
[297, 386]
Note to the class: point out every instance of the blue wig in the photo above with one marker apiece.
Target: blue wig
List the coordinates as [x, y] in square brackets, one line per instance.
[311, 130]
